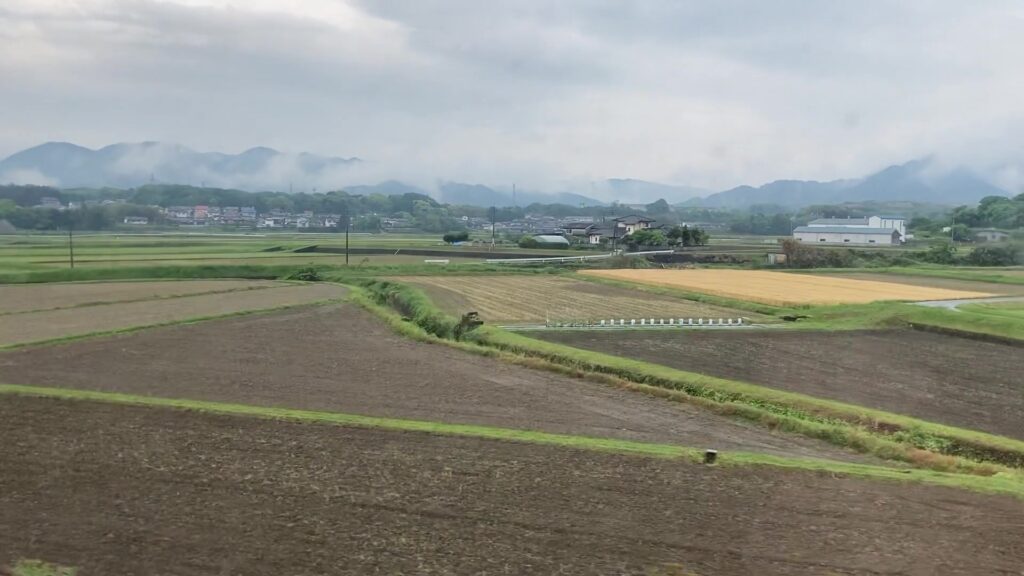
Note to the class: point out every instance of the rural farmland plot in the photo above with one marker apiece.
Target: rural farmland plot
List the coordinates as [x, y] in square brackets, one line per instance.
[781, 288]
[529, 299]
[136, 304]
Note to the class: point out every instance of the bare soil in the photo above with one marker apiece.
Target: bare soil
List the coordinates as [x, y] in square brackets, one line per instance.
[52, 324]
[957, 381]
[130, 490]
[29, 297]
[340, 358]
[947, 283]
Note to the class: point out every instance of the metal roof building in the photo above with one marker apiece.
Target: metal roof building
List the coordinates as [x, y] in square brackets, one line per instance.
[846, 235]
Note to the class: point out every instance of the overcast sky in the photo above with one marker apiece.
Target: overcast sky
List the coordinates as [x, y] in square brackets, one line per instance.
[704, 93]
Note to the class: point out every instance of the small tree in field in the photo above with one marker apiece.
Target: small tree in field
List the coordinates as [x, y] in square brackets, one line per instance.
[453, 237]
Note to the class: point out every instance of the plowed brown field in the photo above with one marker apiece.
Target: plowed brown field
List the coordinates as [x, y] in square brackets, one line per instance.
[131, 490]
[339, 358]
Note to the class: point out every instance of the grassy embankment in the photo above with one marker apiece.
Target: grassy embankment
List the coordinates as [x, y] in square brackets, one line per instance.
[1005, 484]
[883, 434]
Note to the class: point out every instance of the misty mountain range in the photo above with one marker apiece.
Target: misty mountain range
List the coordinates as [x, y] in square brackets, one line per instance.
[129, 165]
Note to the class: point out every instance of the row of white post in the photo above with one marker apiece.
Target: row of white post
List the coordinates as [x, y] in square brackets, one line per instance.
[659, 322]
[675, 322]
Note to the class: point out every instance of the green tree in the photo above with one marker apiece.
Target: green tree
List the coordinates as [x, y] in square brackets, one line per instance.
[646, 238]
[453, 237]
[940, 253]
[994, 256]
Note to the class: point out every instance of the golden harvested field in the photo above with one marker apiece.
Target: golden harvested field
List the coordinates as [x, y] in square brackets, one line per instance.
[936, 282]
[783, 288]
[528, 299]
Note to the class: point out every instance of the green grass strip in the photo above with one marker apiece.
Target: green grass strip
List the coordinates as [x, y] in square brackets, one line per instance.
[1002, 483]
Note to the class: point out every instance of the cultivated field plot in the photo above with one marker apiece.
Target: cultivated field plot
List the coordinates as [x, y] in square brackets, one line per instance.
[30, 297]
[995, 288]
[535, 298]
[781, 288]
[340, 358]
[965, 383]
[131, 490]
[64, 322]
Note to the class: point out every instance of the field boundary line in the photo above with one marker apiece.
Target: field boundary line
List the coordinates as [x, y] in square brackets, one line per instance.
[998, 484]
[193, 320]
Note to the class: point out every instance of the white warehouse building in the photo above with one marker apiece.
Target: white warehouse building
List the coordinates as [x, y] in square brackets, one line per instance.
[847, 235]
[898, 223]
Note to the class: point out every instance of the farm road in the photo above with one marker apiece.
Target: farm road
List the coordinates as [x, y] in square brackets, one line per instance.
[340, 358]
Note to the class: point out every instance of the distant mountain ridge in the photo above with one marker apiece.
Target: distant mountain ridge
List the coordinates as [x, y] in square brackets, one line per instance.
[128, 165]
[915, 181]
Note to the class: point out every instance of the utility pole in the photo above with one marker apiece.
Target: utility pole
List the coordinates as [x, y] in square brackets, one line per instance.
[71, 244]
[348, 224]
[492, 222]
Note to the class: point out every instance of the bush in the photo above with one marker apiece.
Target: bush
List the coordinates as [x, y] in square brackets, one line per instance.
[309, 274]
[799, 255]
[941, 253]
[994, 256]
[453, 237]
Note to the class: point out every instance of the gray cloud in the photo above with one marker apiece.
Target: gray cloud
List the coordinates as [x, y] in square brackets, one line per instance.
[710, 94]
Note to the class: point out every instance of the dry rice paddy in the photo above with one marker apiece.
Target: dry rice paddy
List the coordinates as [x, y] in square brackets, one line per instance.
[16, 298]
[783, 288]
[537, 298]
[123, 308]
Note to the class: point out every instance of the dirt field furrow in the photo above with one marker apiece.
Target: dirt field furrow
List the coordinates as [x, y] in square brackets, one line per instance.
[340, 358]
[130, 490]
[957, 381]
[52, 324]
